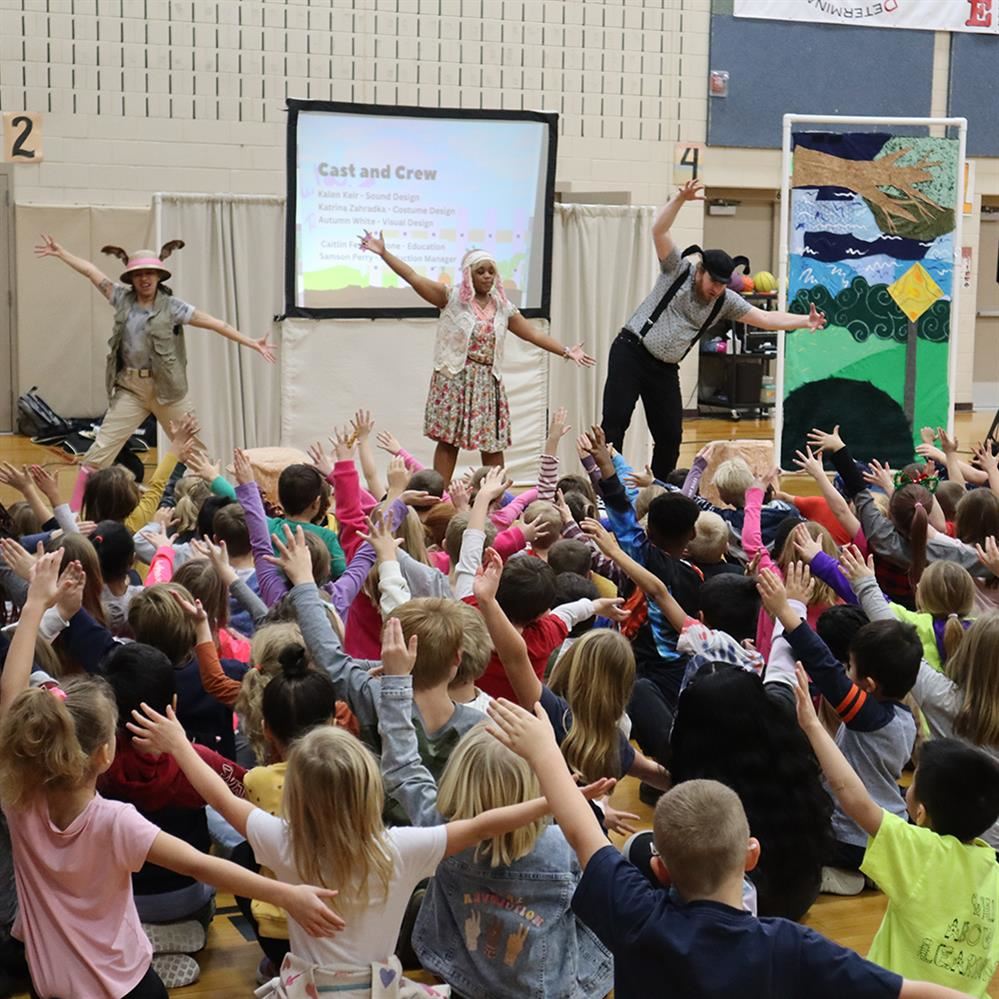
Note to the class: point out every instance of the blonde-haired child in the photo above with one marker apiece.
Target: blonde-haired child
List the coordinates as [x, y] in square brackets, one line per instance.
[75, 851]
[464, 932]
[332, 832]
[597, 746]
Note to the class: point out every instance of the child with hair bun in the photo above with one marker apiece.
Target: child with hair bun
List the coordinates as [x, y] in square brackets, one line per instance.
[332, 831]
[74, 851]
[296, 699]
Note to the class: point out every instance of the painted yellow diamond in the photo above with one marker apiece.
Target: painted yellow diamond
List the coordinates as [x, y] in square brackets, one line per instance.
[915, 291]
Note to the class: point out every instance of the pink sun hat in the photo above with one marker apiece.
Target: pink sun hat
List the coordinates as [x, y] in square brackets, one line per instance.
[143, 260]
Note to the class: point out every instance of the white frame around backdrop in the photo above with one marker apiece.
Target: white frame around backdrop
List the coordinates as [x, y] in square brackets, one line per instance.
[790, 120]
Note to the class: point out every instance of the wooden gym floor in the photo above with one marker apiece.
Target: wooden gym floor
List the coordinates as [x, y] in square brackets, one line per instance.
[229, 961]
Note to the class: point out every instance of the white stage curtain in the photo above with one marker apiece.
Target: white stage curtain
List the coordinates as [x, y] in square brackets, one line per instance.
[232, 266]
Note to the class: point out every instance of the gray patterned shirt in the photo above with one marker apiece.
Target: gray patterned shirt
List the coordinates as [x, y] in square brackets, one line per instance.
[683, 317]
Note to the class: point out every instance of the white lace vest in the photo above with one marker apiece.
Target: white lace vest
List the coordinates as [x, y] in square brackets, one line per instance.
[454, 331]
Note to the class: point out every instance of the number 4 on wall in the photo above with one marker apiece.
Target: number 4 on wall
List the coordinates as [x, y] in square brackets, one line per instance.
[22, 137]
[688, 160]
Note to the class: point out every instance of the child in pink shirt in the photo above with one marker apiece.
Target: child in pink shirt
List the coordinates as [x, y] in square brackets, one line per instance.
[74, 851]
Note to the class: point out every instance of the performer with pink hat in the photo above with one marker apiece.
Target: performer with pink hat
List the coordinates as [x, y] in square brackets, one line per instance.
[466, 405]
[147, 361]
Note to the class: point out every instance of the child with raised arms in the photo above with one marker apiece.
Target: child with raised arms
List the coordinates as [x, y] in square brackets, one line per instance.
[74, 851]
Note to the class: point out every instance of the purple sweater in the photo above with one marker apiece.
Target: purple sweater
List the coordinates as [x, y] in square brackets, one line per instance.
[272, 582]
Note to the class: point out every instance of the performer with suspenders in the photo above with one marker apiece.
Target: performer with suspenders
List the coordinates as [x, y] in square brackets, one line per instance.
[687, 300]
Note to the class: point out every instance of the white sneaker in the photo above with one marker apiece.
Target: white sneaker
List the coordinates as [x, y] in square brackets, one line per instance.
[839, 881]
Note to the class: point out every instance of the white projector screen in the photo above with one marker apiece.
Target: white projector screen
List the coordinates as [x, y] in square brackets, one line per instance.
[435, 182]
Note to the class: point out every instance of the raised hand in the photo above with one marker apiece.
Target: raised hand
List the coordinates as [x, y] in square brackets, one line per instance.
[44, 585]
[48, 247]
[557, 429]
[806, 546]
[343, 443]
[989, 555]
[798, 582]
[183, 433]
[527, 734]
[218, 555]
[46, 483]
[381, 539]
[397, 476]
[804, 706]
[153, 732]
[192, 610]
[459, 493]
[772, 592]
[11, 475]
[987, 459]
[810, 461]
[948, 444]
[398, 655]
[619, 822]
[927, 435]
[825, 440]
[487, 576]
[20, 562]
[388, 442]
[494, 484]
[584, 446]
[600, 450]
[293, 556]
[639, 480]
[372, 243]
[881, 476]
[321, 458]
[362, 424]
[242, 467]
[69, 598]
[692, 190]
[199, 464]
[852, 564]
[605, 541]
[158, 538]
[579, 356]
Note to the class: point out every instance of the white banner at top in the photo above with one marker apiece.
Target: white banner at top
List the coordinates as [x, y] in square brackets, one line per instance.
[924, 15]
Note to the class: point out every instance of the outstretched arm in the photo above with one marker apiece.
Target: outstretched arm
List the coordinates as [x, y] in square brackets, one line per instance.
[520, 327]
[431, 291]
[50, 248]
[204, 321]
[843, 781]
[693, 190]
[813, 321]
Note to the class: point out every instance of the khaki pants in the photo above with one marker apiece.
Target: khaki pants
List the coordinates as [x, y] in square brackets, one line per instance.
[133, 399]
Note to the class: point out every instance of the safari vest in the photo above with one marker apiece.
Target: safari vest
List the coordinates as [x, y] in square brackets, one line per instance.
[167, 353]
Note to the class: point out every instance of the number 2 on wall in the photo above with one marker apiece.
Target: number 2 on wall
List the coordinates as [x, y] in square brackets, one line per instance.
[22, 137]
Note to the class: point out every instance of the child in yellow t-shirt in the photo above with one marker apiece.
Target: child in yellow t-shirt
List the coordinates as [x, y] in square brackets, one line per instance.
[942, 882]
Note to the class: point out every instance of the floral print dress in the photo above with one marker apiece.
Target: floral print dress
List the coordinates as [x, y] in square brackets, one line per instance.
[469, 410]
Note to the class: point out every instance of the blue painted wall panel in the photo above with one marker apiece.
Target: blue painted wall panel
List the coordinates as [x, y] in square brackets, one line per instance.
[780, 67]
[974, 72]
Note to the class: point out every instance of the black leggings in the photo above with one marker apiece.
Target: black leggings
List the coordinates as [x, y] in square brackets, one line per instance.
[151, 987]
[274, 948]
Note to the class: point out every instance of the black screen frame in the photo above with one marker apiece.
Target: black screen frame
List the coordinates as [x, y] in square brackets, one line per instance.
[296, 106]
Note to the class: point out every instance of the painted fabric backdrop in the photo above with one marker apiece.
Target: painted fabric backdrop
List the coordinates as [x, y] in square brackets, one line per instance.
[872, 245]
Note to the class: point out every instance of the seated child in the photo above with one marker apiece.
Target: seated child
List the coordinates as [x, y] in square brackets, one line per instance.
[707, 549]
[877, 732]
[706, 945]
[941, 880]
[476, 648]
[305, 500]
[229, 528]
[116, 552]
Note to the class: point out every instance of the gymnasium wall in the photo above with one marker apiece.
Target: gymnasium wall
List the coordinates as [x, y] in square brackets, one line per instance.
[142, 96]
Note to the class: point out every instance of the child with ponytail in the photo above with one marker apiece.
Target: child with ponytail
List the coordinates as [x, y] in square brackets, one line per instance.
[332, 832]
[74, 851]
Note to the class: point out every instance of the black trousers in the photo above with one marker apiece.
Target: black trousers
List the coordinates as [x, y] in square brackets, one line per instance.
[632, 373]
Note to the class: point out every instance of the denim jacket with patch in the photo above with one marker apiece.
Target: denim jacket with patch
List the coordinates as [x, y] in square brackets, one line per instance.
[496, 932]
